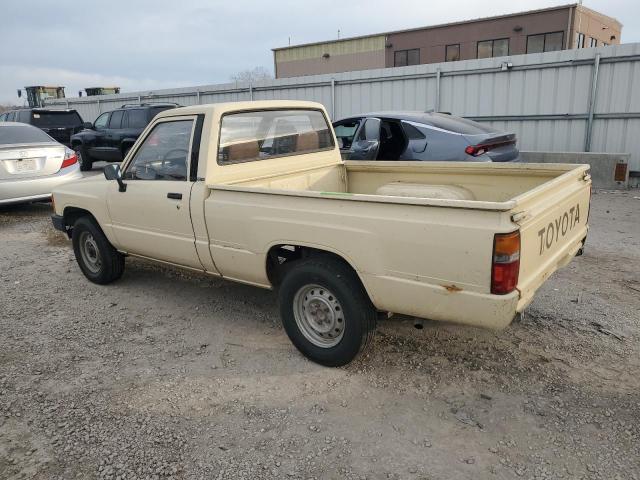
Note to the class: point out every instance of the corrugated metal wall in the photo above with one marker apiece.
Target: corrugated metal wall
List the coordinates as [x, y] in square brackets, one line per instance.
[545, 98]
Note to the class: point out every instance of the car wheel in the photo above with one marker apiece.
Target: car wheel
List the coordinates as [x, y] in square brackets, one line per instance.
[83, 158]
[325, 311]
[98, 260]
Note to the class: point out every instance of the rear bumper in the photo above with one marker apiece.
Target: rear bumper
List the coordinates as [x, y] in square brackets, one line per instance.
[435, 302]
[33, 189]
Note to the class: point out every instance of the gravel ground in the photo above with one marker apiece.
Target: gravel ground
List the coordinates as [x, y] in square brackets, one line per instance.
[168, 374]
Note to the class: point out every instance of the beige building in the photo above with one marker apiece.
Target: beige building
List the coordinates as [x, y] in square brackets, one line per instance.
[549, 29]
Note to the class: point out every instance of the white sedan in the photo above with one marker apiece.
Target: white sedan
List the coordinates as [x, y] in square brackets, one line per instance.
[32, 164]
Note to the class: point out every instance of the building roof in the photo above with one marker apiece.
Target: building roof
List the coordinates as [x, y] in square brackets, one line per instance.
[441, 25]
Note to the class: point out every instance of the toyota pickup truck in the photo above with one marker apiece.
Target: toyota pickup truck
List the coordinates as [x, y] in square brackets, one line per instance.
[257, 193]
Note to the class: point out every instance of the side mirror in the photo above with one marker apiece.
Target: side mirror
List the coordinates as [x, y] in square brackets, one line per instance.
[113, 172]
[87, 125]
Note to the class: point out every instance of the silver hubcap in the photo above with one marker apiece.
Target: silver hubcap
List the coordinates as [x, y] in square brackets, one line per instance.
[319, 315]
[90, 253]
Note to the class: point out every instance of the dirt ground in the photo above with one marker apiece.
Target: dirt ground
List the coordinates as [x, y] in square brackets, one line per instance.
[167, 374]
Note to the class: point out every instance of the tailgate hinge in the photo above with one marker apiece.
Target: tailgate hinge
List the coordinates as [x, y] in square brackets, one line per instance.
[519, 217]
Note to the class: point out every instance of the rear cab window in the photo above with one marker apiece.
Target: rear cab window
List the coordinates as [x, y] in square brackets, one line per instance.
[265, 134]
[55, 119]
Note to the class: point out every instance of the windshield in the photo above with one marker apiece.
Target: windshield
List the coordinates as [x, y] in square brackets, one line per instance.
[55, 119]
[16, 134]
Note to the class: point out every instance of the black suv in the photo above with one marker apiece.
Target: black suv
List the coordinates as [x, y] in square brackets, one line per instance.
[111, 136]
[59, 124]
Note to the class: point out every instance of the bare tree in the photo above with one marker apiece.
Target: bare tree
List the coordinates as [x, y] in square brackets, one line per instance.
[250, 76]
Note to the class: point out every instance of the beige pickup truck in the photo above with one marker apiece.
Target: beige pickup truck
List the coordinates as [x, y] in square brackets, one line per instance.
[257, 193]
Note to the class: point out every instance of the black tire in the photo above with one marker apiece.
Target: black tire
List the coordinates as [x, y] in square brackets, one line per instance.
[111, 264]
[85, 161]
[359, 314]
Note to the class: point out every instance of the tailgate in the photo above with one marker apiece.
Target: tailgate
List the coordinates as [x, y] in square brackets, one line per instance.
[553, 226]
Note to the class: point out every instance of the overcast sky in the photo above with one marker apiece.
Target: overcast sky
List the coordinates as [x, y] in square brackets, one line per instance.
[147, 44]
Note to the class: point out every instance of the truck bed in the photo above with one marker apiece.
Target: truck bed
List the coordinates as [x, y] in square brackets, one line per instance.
[494, 186]
[410, 252]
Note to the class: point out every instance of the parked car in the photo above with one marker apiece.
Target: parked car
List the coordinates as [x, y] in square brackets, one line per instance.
[429, 136]
[58, 124]
[256, 192]
[32, 164]
[113, 133]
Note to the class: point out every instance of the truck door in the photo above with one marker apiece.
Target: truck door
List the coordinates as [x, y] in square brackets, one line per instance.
[112, 137]
[97, 146]
[152, 216]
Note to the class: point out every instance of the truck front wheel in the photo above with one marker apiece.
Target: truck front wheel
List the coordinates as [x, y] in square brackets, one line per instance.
[326, 311]
[98, 260]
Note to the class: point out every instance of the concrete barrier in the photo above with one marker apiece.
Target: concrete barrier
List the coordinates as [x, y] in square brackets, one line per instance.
[609, 171]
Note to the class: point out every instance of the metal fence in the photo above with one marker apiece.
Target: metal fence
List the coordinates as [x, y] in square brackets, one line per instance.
[571, 100]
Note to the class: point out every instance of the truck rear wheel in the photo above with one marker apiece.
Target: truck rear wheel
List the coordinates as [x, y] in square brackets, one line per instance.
[98, 260]
[326, 311]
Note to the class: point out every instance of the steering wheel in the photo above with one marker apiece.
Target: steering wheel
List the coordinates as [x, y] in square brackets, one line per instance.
[167, 155]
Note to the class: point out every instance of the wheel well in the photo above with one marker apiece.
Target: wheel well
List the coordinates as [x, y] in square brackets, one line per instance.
[281, 257]
[72, 214]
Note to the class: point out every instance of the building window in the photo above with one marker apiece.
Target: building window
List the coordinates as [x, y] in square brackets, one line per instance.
[403, 58]
[605, 44]
[493, 48]
[452, 53]
[580, 40]
[593, 42]
[545, 42]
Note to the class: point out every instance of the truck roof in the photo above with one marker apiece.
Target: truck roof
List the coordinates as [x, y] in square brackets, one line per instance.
[222, 108]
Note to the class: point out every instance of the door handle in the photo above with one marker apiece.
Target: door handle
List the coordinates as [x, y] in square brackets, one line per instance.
[175, 196]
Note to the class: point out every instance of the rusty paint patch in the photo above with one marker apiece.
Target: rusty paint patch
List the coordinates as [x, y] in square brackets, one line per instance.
[452, 288]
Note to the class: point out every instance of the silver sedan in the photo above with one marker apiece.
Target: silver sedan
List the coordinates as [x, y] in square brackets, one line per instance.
[32, 164]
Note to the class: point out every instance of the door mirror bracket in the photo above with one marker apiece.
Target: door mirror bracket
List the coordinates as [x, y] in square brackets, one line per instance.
[113, 172]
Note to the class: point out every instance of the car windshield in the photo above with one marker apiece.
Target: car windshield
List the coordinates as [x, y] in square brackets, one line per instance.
[55, 119]
[16, 134]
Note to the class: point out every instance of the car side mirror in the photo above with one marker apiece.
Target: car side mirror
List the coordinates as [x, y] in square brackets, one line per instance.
[87, 125]
[113, 172]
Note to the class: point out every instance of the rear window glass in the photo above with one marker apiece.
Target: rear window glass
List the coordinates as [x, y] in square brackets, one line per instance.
[55, 119]
[14, 134]
[260, 135]
[456, 124]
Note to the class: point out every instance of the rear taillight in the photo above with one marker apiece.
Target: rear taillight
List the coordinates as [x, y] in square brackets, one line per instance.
[506, 263]
[70, 158]
[481, 149]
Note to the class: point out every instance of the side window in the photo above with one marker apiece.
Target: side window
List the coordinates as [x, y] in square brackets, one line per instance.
[11, 116]
[164, 153]
[116, 119]
[101, 121]
[3, 117]
[345, 131]
[137, 118]
[260, 135]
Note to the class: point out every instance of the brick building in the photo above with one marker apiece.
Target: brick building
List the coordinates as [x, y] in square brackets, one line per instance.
[549, 29]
